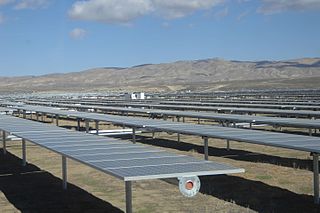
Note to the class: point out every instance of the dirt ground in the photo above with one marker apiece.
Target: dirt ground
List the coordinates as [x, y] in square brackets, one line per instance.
[276, 180]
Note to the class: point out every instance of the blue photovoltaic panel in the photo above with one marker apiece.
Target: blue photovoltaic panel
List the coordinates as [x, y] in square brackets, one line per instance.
[244, 135]
[112, 156]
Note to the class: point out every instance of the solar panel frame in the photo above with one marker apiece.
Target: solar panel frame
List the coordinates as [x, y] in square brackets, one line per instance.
[254, 136]
[79, 153]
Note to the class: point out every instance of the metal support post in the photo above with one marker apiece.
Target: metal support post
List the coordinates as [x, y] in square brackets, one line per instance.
[183, 119]
[57, 120]
[52, 118]
[87, 126]
[228, 145]
[198, 120]
[250, 125]
[205, 146]
[37, 115]
[24, 156]
[316, 177]
[134, 135]
[24, 114]
[228, 141]
[128, 196]
[42, 117]
[172, 118]
[64, 172]
[78, 124]
[178, 120]
[97, 127]
[4, 142]
[153, 135]
[310, 132]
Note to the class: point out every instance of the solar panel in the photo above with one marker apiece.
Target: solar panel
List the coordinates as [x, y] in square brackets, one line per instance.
[245, 135]
[93, 150]
[289, 122]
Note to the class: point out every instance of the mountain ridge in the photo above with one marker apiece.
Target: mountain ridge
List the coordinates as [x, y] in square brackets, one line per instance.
[179, 75]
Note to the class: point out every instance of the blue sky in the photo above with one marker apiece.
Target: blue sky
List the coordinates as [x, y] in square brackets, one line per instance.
[52, 36]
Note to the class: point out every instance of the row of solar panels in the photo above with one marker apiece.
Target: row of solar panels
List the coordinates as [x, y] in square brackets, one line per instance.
[306, 113]
[177, 101]
[219, 104]
[297, 142]
[119, 158]
[288, 122]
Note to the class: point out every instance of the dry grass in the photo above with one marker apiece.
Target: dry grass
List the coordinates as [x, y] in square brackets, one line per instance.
[276, 180]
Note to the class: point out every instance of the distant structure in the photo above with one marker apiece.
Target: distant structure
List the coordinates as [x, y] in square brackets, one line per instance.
[140, 95]
[134, 96]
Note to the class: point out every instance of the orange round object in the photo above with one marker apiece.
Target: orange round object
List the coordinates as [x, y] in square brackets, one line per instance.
[189, 185]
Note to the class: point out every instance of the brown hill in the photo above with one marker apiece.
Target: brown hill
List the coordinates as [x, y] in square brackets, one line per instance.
[200, 75]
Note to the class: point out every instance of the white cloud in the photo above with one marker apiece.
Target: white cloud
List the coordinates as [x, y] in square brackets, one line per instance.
[31, 4]
[110, 11]
[4, 2]
[276, 6]
[176, 8]
[124, 11]
[78, 33]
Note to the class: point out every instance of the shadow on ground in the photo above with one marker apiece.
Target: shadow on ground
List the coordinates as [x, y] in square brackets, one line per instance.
[31, 189]
[254, 195]
[234, 154]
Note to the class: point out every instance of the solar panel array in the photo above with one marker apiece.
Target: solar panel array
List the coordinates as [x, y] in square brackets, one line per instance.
[296, 142]
[119, 158]
[307, 113]
[288, 122]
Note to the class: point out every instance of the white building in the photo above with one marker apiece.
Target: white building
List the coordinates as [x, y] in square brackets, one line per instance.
[134, 96]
